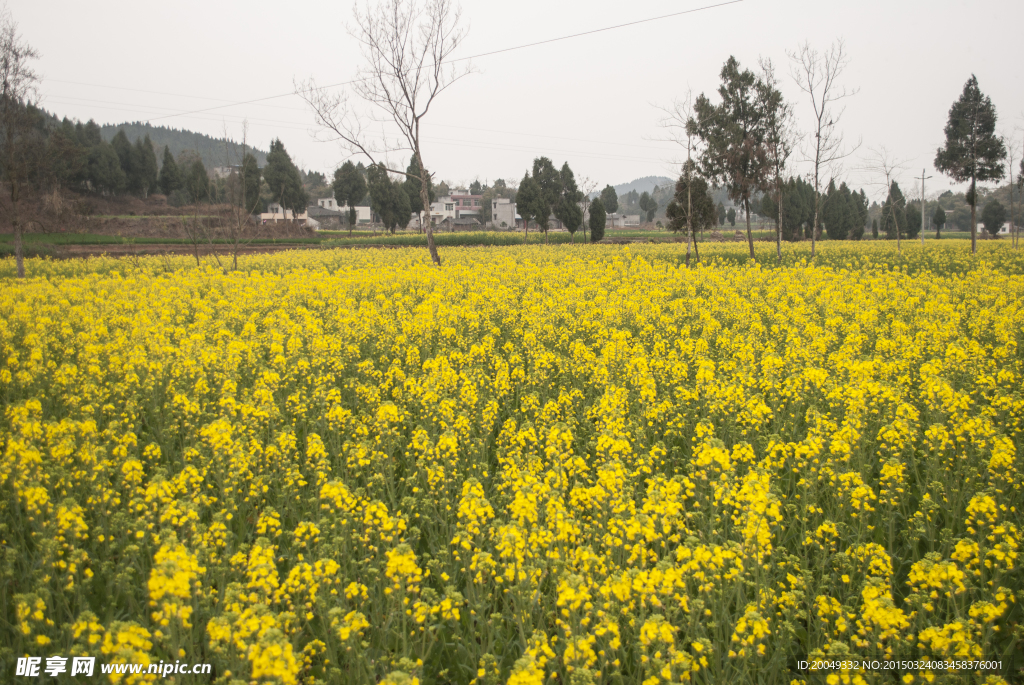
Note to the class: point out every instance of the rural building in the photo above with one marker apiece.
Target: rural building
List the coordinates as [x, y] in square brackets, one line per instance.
[622, 220]
[459, 204]
[503, 213]
[320, 217]
[275, 212]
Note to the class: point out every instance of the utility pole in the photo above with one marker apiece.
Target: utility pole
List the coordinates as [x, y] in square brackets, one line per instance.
[1013, 230]
[923, 212]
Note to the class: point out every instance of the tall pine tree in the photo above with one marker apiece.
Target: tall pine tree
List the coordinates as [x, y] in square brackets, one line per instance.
[973, 152]
[170, 176]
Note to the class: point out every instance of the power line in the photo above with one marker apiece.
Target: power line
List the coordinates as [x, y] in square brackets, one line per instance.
[487, 144]
[127, 107]
[160, 92]
[477, 56]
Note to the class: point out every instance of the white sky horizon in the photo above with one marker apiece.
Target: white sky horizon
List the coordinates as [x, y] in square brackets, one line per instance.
[588, 100]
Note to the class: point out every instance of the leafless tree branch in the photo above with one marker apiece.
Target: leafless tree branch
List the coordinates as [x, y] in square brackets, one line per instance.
[405, 46]
[817, 74]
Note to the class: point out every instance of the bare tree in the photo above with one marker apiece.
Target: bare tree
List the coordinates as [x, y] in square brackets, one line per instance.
[18, 85]
[817, 73]
[780, 139]
[405, 46]
[884, 165]
[243, 227]
[681, 129]
[586, 186]
[1010, 140]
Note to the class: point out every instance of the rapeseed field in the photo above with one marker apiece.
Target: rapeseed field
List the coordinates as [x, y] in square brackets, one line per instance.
[533, 465]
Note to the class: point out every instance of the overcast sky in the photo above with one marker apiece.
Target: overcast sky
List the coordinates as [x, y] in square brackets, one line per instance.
[587, 100]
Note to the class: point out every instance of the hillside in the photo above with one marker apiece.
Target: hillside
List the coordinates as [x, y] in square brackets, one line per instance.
[640, 185]
[213, 151]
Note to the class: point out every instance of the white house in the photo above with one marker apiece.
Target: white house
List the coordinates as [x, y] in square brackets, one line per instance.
[503, 212]
[622, 220]
[275, 212]
[443, 208]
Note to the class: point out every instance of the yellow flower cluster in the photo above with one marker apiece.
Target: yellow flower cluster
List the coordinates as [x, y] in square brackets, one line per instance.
[533, 466]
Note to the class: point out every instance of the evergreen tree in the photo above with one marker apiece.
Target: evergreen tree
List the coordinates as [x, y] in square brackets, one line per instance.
[855, 216]
[68, 159]
[90, 134]
[939, 219]
[730, 216]
[349, 189]
[721, 214]
[598, 217]
[694, 194]
[549, 183]
[123, 148]
[839, 216]
[475, 188]
[993, 217]
[252, 203]
[527, 199]
[609, 200]
[143, 161]
[648, 205]
[382, 197]
[104, 169]
[401, 205]
[894, 213]
[567, 210]
[170, 177]
[973, 152]
[412, 186]
[197, 183]
[862, 210]
[734, 132]
[283, 179]
[874, 229]
[913, 219]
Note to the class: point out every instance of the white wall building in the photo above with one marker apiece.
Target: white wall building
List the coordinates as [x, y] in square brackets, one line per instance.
[275, 212]
[503, 213]
[622, 220]
[443, 208]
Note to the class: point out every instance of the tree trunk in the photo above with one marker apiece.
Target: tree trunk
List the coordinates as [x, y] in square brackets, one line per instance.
[896, 221]
[19, 252]
[778, 225]
[750, 236]
[974, 219]
[425, 199]
[1013, 224]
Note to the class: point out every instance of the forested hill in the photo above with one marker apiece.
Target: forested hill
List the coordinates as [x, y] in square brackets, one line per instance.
[213, 151]
[645, 184]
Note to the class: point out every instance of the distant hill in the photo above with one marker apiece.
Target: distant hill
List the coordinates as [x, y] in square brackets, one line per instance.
[211, 150]
[647, 183]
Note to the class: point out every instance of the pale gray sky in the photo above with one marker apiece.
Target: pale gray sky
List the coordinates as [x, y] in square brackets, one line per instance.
[586, 100]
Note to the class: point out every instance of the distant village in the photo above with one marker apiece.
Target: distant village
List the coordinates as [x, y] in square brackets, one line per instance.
[457, 211]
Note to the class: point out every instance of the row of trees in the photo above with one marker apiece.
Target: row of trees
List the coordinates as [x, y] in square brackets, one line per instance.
[393, 200]
[548, 192]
